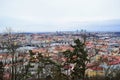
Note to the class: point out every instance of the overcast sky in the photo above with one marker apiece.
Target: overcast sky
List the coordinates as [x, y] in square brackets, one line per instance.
[52, 15]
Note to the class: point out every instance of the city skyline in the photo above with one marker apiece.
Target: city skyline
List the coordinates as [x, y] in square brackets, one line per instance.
[60, 15]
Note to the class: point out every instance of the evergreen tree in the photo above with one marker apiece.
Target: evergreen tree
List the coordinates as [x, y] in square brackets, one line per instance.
[1, 71]
[79, 58]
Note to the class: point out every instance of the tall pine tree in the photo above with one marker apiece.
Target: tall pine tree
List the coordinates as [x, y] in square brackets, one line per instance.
[1, 70]
[79, 58]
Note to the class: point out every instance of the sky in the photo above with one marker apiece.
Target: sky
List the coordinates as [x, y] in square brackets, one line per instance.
[58, 15]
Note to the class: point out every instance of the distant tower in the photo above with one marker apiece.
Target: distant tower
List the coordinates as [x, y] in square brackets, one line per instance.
[77, 30]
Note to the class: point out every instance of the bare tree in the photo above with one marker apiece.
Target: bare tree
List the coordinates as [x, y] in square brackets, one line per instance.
[9, 43]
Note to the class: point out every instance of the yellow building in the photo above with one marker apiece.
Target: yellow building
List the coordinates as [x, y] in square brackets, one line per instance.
[92, 73]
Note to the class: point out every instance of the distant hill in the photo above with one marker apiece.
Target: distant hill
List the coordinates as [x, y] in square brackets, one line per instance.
[26, 26]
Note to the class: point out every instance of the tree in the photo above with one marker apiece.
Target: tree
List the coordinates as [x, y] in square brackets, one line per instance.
[10, 43]
[47, 68]
[79, 58]
[1, 70]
